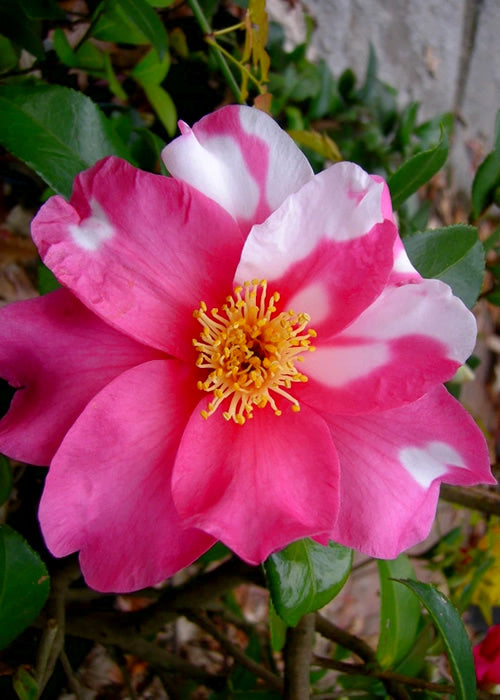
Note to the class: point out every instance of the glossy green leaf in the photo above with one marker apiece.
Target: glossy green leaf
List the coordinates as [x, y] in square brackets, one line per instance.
[399, 612]
[417, 171]
[58, 132]
[305, 576]
[24, 584]
[163, 105]
[456, 642]
[25, 685]
[487, 178]
[453, 254]
[5, 479]
[140, 13]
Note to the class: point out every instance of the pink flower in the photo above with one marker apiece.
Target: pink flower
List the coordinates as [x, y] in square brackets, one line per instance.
[177, 398]
[487, 658]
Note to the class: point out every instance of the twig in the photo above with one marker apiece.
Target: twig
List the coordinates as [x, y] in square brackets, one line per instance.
[207, 30]
[345, 639]
[195, 594]
[258, 670]
[73, 683]
[366, 670]
[298, 655]
[475, 498]
[88, 627]
[361, 649]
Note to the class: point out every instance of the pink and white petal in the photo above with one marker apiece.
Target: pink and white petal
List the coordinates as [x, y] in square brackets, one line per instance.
[58, 355]
[108, 491]
[403, 271]
[391, 465]
[140, 250]
[410, 339]
[257, 487]
[239, 157]
[327, 250]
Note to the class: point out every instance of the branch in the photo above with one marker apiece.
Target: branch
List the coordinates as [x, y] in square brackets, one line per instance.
[298, 655]
[475, 498]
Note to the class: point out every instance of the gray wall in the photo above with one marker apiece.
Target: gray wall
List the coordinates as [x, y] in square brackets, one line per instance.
[442, 53]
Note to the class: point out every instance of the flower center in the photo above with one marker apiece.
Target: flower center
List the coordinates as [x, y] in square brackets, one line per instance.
[250, 351]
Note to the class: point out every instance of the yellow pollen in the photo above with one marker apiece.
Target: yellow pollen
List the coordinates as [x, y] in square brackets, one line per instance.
[249, 352]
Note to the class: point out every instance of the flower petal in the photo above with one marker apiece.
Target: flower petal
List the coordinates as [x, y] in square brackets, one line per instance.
[410, 339]
[140, 250]
[59, 355]
[107, 492]
[327, 250]
[239, 157]
[391, 464]
[259, 486]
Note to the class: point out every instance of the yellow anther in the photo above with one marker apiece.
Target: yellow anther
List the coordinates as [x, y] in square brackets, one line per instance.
[249, 350]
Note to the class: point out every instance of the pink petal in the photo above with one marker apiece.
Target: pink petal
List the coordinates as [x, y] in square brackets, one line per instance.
[239, 157]
[107, 492]
[410, 339]
[259, 486]
[391, 465]
[60, 355]
[140, 250]
[327, 250]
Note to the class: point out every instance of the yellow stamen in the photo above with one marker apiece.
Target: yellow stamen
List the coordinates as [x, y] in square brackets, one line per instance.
[249, 352]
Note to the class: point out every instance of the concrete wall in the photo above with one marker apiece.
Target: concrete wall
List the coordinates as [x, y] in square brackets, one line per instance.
[442, 53]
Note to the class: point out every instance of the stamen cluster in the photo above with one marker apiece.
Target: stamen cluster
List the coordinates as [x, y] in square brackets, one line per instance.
[250, 352]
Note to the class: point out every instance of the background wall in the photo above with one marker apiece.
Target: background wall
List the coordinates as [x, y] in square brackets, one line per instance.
[442, 53]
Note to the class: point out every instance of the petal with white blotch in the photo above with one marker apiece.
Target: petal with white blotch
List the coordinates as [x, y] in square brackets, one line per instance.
[410, 339]
[239, 157]
[328, 250]
[391, 465]
[140, 250]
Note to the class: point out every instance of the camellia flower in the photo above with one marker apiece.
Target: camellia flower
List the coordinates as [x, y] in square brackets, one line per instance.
[240, 352]
[487, 658]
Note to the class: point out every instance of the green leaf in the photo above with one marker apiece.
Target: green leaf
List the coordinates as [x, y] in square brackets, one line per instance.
[305, 576]
[142, 15]
[455, 639]
[9, 54]
[112, 24]
[399, 612]
[47, 281]
[151, 70]
[487, 178]
[41, 9]
[58, 132]
[5, 479]
[23, 31]
[163, 105]
[25, 685]
[453, 254]
[417, 171]
[24, 584]
[277, 629]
